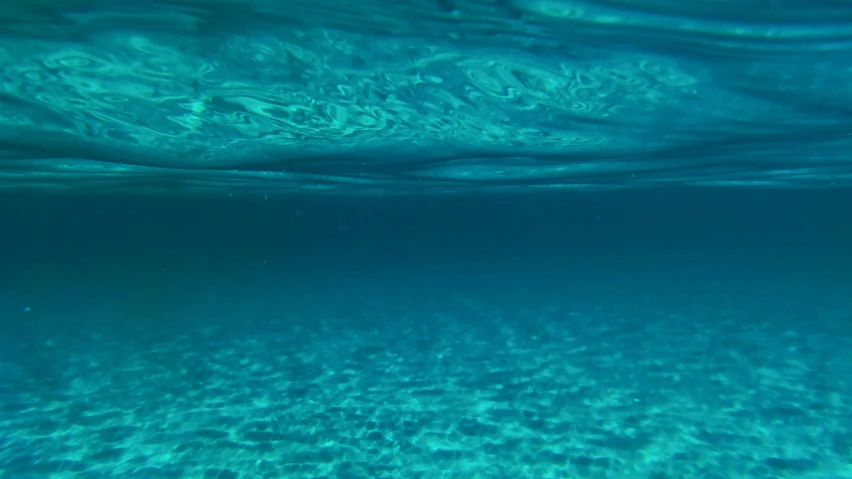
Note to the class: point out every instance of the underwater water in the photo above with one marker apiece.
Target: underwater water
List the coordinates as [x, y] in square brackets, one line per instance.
[493, 239]
[437, 96]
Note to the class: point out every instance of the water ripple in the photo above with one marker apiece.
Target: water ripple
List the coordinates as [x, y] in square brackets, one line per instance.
[519, 93]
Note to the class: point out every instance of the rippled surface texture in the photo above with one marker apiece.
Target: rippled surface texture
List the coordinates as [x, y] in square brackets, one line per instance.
[373, 96]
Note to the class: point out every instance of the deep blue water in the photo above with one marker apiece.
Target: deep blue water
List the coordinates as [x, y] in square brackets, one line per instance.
[429, 240]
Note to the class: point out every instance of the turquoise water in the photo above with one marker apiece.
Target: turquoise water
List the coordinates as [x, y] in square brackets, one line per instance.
[519, 239]
[426, 96]
[611, 335]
